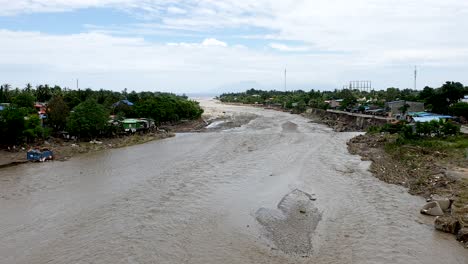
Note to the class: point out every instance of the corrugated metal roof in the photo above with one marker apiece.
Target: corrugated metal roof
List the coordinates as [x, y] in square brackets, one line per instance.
[130, 120]
[424, 119]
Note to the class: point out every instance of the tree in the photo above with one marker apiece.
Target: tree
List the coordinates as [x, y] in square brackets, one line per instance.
[452, 92]
[5, 96]
[57, 113]
[404, 108]
[459, 109]
[28, 88]
[33, 128]
[448, 94]
[87, 120]
[426, 93]
[24, 99]
[392, 94]
[12, 125]
[43, 93]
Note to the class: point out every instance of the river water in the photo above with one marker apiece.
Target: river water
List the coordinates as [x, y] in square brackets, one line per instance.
[277, 190]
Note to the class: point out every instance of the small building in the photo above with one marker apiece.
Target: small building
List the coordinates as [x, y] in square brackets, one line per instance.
[3, 106]
[334, 103]
[423, 117]
[41, 108]
[133, 125]
[396, 106]
[122, 102]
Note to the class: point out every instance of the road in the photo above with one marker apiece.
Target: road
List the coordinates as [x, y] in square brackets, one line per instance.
[276, 190]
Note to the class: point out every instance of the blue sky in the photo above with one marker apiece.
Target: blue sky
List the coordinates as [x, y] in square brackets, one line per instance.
[209, 46]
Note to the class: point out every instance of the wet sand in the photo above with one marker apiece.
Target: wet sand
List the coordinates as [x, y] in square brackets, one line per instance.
[241, 195]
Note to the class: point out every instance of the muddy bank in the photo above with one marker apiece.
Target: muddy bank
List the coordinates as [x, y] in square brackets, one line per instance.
[64, 150]
[218, 119]
[432, 174]
[343, 122]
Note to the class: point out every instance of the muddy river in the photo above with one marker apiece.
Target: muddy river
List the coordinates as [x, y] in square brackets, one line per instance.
[276, 190]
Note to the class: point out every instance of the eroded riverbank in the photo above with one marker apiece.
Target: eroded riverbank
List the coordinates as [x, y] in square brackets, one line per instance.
[196, 198]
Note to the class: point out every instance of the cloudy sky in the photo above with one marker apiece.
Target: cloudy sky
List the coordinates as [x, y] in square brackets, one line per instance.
[216, 45]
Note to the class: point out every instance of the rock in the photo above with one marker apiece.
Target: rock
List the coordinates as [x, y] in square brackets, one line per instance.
[432, 208]
[447, 224]
[444, 202]
[453, 175]
[462, 235]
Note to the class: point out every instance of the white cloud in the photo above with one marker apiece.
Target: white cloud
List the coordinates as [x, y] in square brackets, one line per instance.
[9, 7]
[283, 47]
[213, 42]
[176, 10]
[367, 37]
[101, 60]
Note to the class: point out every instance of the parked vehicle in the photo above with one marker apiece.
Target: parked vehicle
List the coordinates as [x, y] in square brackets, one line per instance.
[40, 155]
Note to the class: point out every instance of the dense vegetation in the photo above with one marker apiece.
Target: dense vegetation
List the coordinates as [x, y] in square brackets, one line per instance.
[83, 113]
[432, 129]
[443, 100]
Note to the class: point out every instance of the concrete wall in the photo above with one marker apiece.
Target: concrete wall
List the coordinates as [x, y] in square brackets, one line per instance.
[343, 121]
[396, 105]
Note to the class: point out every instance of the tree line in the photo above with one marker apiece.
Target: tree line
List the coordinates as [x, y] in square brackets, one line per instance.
[83, 112]
[441, 100]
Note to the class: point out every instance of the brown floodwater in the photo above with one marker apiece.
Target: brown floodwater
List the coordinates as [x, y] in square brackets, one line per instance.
[277, 190]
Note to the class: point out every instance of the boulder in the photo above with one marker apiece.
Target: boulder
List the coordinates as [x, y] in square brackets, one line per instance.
[432, 208]
[444, 203]
[447, 224]
[462, 235]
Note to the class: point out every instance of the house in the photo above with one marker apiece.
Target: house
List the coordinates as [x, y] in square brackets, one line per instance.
[464, 99]
[423, 117]
[334, 103]
[133, 125]
[3, 106]
[395, 107]
[123, 102]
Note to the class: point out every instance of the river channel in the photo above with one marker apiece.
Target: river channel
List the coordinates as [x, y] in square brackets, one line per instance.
[278, 189]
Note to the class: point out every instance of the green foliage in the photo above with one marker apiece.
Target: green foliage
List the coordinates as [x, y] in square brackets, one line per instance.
[12, 125]
[449, 129]
[43, 93]
[88, 120]
[33, 128]
[91, 109]
[441, 99]
[168, 108]
[57, 113]
[373, 130]
[393, 128]
[459, 109]
[25, 100]
[437, 129]
[5, 93]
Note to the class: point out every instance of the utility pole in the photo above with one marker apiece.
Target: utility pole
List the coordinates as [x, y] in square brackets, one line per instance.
[415, 76]
[77, 84]
[285, 87]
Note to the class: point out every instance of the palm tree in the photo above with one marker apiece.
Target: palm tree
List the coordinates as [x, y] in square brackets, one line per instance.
[5, 93]
[28, 88]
